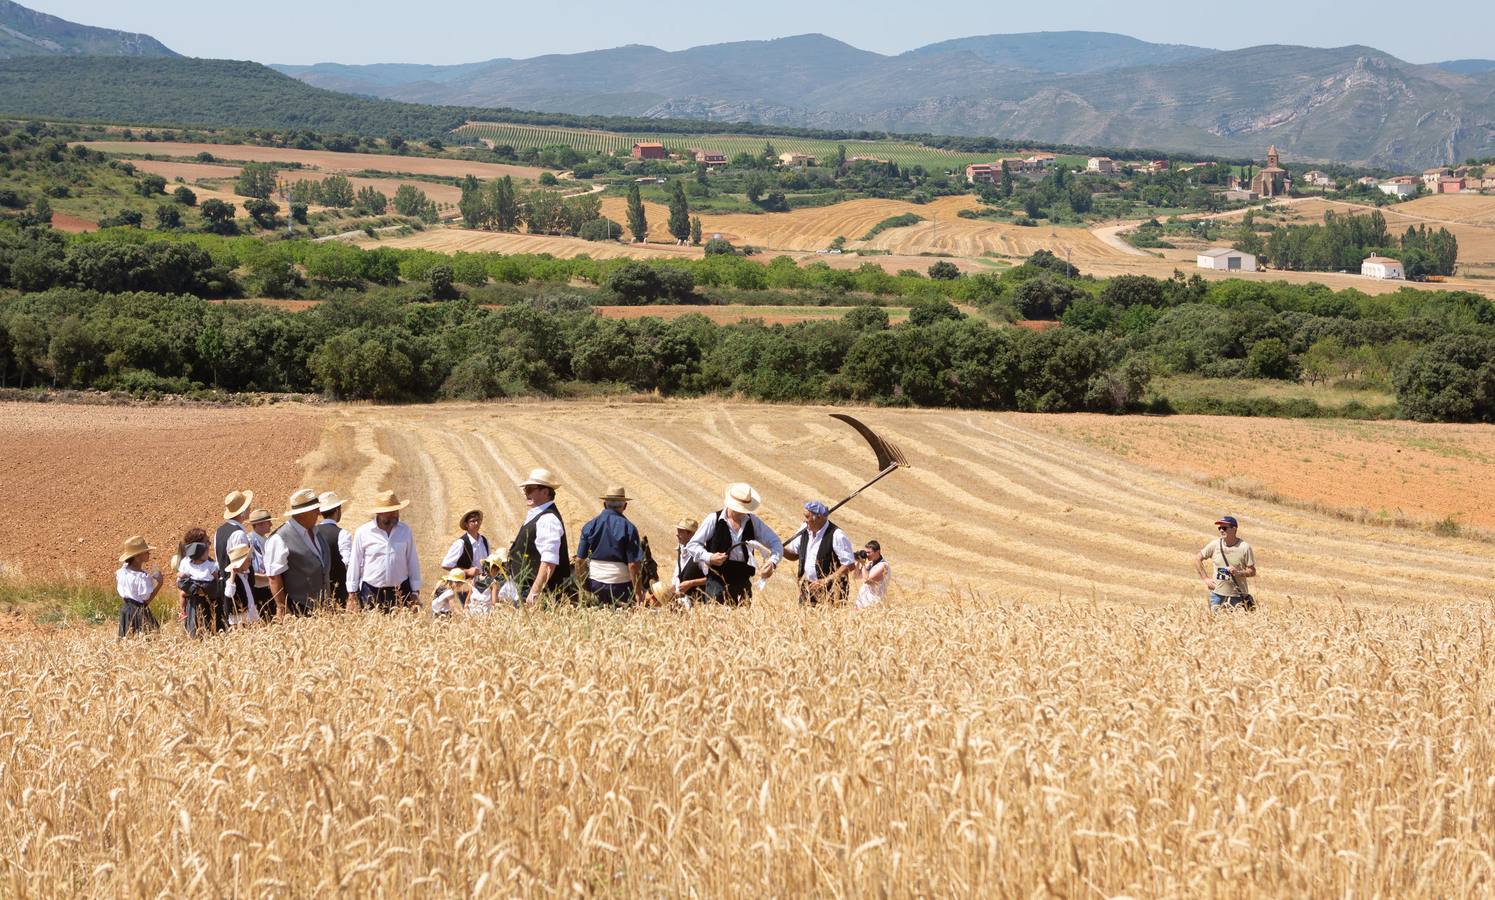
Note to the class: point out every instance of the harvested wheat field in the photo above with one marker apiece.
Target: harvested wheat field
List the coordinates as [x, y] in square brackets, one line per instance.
[1040, 708]
[324, 161]
[79, 479]
[463, 240]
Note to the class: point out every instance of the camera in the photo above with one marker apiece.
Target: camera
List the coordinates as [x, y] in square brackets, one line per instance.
[861, 554]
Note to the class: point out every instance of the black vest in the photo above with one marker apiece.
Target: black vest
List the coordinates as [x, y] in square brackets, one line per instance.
[337, 570]
[220, 541]
[721, 537]
[689, 571]
[524, 558]
[465, 561]
[825, 558]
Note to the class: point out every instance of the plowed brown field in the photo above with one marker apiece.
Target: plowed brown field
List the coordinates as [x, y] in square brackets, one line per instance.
[324, 161]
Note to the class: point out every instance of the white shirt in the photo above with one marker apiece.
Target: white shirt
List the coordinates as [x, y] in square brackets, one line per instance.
[344, 543]
[383, 559]
[872, 593]
[840, 544]
[761, 534]
[454, 552]
[683, 556]
[134, 584]
[240, 582]
[207, 570]
[278, 554]
[548, 534]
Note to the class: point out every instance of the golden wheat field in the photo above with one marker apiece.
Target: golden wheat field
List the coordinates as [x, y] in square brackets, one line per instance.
[1041, 708]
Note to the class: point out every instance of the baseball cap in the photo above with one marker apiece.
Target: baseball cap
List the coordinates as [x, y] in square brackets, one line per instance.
[1227, 520]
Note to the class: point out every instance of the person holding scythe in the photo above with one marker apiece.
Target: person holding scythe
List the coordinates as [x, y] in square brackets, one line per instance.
[825, 557]
[723, 545]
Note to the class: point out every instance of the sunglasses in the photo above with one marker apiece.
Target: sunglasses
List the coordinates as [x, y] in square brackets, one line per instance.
[1226, 527]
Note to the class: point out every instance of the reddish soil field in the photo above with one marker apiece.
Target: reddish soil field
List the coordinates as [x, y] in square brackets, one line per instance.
[72, 224]
[79, 479]
[1375, 470]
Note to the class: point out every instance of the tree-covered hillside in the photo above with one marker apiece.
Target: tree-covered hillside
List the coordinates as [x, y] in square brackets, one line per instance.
[26, 32]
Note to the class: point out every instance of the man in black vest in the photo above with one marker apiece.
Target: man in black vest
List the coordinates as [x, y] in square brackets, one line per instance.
[825, 557]
[690, 575]
[337, 545]
[539, 562]
[235, 511]
[724, 546]
[294, 558]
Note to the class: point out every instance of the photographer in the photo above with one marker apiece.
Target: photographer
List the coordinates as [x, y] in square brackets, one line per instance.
[875, 574]
[1224, 565]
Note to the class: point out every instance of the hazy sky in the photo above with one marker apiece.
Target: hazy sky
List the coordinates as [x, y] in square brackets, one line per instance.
[451, 31]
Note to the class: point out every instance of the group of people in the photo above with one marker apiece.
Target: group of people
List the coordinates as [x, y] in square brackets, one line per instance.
[248, 572]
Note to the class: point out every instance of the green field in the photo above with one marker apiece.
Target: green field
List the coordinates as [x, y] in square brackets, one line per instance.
[901, 152]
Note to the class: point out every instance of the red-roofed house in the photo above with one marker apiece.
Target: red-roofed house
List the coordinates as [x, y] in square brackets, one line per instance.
[711, 158]
[650, 150]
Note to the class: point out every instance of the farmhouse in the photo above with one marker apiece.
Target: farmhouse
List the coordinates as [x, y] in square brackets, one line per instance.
[649, 150]
[1271, 181]
[1241, 195]
[796, 159]
[1367, 181]
[1431, 177]
[984, 173]
[1447, 185]
[1401, 186]
[1318, 179]
[1383, 267]
[1105, 165]
[1224, 259]
[1039, 161]
[1156, 165]
[710, 158]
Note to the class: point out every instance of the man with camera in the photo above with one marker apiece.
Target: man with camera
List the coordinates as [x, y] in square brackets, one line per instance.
[1224, 565]
[874, 574]
[825, 557]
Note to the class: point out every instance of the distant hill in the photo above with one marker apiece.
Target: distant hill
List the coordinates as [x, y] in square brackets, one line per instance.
[1467, 66]
[1347, 104]
[26, 32]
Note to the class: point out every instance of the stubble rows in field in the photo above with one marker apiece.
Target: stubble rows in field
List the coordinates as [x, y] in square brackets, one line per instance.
[324, 161]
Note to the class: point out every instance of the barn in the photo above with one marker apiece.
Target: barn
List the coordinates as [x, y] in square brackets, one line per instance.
[1225, 259]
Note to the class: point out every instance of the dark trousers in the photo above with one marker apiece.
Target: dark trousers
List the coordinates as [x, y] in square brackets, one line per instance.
[385, 599]
[730, 583]
[610, 594]
[263, 602]
[833, 594]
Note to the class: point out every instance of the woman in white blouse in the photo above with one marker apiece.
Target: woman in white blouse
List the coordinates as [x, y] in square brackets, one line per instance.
[198, 585]
[137, 587]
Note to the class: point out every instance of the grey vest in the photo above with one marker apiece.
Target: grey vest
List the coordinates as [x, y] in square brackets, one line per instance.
[305, 576]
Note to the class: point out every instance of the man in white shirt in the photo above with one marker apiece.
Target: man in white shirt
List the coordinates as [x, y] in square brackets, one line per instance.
[295, 561]
[383, 569]
[723, 545]
[825, 557]
[539, 562]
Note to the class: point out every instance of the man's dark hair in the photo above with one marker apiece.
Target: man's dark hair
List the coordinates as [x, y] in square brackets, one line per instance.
[874, 545]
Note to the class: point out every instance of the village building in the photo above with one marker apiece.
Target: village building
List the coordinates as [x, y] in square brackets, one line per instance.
[1384, 268]
[649, 150]
[983, 173]
[1039, 161]
[1449, 185]
[1318, 179]
[1431, 177]
[1225, 259]
[711, 158]
[1368, 181]
[1104, 165]
[1271, 181]
[796, 159]
[1240, 195]
[1156, 165]
[1401, 186]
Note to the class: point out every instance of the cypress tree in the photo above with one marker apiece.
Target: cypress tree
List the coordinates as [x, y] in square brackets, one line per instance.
[637, 222]
[679, 214]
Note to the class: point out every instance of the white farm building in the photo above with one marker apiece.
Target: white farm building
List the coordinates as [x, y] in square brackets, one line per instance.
[1225, 259]
[1383, 267]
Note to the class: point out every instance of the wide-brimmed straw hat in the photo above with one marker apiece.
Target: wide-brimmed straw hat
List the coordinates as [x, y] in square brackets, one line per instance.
[541, 477]
[661, 592]
[235, 503]
[499, 557]
[742, 498]
[258, 516]
[388, 502]
[328, 501]
[239, 554]
[462, 519]
[133, 547]
[303, 501]
[456, 576]
[616, 494]
[687, 524]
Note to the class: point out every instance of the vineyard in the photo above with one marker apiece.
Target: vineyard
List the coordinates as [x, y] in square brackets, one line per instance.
[903, 153]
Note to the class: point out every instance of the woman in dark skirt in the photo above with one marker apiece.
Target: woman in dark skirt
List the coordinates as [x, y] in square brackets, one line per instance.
[199, 587]
[137, 588]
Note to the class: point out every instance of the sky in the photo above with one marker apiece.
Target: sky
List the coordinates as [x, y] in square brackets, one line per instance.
[455, 31]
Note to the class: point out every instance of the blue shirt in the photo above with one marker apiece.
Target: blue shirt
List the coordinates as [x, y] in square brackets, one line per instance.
[610, 538]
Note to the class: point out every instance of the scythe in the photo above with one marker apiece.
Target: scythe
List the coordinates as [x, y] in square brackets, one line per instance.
[889, 458]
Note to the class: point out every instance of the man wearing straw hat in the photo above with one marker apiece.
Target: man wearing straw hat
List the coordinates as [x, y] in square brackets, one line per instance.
[337, 544]
[383, 569]
[539, 563]
[690, 575]
[235, 511]
[471, 547]
[611, 546]
[295, 560]
[825, 557]
[724, 543]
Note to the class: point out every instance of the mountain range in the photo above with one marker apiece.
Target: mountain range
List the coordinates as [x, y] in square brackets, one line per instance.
[1351, 104]
[26, 32]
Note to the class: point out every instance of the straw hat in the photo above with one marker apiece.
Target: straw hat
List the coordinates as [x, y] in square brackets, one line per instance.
[235, 503]
[238, 555]
[457, 577]
[388, 501]
[328, 501]
[742, 498]
[541, 477]
[258, 516]
[616, 494]
[303, 501]
[462, 519]
[133, 547]
[498, 557]
[661, 592]
[687, 524]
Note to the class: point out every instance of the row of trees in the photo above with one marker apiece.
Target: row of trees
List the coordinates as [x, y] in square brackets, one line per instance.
[1343, 241]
